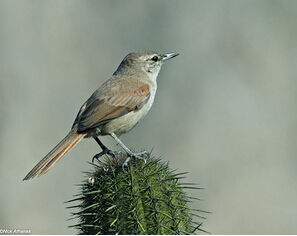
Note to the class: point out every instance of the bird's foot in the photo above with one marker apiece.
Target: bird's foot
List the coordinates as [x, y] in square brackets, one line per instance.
[125, 163]
[104, 151]
[137, 155]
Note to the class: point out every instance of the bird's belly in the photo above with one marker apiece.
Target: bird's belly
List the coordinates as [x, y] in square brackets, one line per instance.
[123, 124]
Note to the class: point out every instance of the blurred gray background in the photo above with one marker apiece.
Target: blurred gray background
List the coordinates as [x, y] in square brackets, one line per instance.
[225, 109]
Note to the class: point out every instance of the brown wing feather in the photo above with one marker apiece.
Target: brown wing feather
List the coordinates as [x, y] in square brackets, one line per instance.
[104, 109]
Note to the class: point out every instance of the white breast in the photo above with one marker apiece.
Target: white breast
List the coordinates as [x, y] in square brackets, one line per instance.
[125, 123]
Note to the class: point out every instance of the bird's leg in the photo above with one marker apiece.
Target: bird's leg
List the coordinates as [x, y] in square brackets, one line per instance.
[105, 150]
[132, 154]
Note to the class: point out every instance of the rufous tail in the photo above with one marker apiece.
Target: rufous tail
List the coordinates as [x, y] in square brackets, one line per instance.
[56, 154]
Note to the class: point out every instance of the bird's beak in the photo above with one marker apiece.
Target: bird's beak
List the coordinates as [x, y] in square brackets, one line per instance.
[167, 56]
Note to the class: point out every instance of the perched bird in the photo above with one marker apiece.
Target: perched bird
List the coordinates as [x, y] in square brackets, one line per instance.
[114, 108]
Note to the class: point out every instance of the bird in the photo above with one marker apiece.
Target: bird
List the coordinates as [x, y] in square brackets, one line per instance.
[113, 109]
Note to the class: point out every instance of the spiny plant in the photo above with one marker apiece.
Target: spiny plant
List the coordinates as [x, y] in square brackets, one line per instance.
[145, 198]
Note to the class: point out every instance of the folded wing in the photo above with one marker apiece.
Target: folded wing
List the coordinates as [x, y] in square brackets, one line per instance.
[99, 111]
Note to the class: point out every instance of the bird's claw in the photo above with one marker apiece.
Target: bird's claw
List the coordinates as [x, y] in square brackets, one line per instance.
[125, 163]
[143, 153]
[140, 157]
[137, 156]
[105, 151]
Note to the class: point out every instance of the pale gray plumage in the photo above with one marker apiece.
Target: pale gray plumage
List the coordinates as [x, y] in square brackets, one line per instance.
[114, 108]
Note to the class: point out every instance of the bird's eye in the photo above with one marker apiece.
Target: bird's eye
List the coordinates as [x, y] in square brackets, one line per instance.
[155, 58]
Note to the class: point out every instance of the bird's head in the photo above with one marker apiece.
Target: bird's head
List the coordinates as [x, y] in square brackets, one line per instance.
[148, 61]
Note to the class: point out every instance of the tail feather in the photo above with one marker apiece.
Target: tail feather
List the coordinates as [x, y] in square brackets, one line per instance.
[56, 154]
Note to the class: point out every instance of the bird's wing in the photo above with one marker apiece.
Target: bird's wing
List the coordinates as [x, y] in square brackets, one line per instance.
[104, 106]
